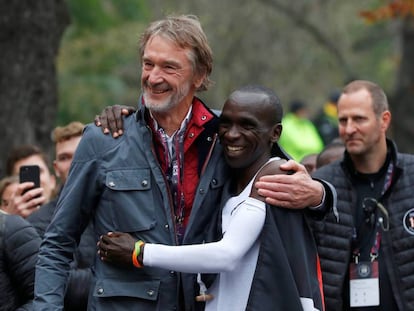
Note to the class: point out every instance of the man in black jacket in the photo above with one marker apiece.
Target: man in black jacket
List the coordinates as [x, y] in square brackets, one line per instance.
[367, 254]
[19, 244]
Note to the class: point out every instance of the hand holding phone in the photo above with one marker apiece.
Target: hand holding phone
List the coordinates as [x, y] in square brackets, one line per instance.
[30, 173]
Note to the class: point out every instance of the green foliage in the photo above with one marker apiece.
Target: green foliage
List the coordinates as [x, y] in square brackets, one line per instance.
[100, 15]
[98, 59]
[89, 15]
[301, 49]
[95, 71]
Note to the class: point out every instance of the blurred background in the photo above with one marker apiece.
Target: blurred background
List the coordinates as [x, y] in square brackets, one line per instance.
[66, 60]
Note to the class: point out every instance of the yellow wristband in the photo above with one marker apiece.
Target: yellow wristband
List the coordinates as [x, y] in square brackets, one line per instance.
[136, 252]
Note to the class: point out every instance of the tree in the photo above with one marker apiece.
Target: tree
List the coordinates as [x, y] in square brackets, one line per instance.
[401, 98]
[98, 62]
[401, 12]
[29, 42]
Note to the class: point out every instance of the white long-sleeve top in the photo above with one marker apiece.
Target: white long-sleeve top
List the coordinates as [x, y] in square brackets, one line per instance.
[234, 257]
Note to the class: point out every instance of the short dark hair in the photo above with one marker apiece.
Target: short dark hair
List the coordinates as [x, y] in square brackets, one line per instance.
[22, 152]
[379, 99]
[274, 100]
[296, 105]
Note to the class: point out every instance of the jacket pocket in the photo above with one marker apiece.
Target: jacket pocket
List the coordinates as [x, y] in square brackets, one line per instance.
[131, 199]
[114, 288]
[131, 179]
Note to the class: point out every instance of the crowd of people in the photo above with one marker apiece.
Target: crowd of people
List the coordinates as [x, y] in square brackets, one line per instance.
[36, 210]
[184, 209]
[304, 135]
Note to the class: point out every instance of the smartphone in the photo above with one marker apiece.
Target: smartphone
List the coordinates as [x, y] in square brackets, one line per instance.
[30, 173]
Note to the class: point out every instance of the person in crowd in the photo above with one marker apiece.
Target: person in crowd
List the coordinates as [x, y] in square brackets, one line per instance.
[326, 120]
[300, 136]
[309, 162]
[19, 244]
[251, 117]
[331, 152]
[8, 185]
[66, 139]
[26, 199]
[367, 256]
[138, 183]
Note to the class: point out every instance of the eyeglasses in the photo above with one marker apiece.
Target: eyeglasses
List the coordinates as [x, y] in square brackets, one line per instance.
[369, 206]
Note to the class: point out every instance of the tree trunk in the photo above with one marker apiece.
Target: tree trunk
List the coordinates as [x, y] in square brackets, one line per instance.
[29, 41]
[402, 103]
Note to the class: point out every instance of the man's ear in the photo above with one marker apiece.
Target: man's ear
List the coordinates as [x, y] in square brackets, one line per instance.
[386, 120]
[199, 79]
[276, 132]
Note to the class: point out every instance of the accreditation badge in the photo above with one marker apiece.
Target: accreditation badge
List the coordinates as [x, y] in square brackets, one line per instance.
[364, 284]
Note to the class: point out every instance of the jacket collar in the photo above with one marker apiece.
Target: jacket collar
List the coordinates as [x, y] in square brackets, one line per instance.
[393, 170]
[391, 151]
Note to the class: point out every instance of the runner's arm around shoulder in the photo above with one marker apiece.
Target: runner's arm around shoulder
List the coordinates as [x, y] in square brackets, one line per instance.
[270, 168]
[292, 187]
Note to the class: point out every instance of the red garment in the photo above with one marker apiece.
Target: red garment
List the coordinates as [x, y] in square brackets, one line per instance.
[200, 116]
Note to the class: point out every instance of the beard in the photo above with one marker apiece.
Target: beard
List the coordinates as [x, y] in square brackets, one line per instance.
[164, 105]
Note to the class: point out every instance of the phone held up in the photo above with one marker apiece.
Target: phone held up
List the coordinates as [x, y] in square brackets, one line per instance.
[30, 173]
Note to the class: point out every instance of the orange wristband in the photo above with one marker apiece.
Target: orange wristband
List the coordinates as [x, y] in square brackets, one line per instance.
[136, 252]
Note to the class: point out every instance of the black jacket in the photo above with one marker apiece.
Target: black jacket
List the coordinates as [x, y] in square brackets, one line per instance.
[334, 237]
[19, 245]
[287, 268]
[80, 277]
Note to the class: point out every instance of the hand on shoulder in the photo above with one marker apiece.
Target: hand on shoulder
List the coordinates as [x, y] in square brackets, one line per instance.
[270, 168]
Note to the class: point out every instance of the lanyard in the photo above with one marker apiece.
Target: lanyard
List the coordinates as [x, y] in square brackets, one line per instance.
[383, 221]
[174, 158]
[374, 248]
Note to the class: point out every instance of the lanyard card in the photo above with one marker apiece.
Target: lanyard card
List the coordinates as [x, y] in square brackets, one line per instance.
[364, 284]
